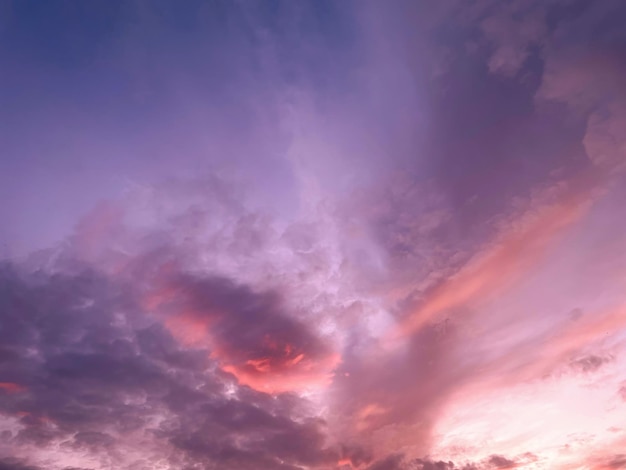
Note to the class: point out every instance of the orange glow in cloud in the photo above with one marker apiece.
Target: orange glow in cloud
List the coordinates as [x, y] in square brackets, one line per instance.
[273, 377]
[278, 367]
[10, 387]
[367, 414]
[187, 325]
[260, 365]
[509, 257]
[188, 329]
[345, 463]
[285, 370]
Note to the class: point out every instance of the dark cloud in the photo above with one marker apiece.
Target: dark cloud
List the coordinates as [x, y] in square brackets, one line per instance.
[399, 462]
[398, 388]
[498, 461]
[392, 462]
[421, 464]
[15, 464]
[590, 363]
[617, 461]
[91, 368]
[250, 332]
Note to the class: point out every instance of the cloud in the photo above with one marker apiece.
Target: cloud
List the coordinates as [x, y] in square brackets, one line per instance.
[248, 332]
[10, 387]
[103, 380]
[514, 31]
[422, 464]
[392, 462]
[590, 363]
[610, 462]
[618, 461]
[416, 194]
[508, 258]
[15, 464]
[498, 461]
[399, 462]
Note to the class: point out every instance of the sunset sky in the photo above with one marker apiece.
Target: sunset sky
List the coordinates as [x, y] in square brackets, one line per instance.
[312, 235]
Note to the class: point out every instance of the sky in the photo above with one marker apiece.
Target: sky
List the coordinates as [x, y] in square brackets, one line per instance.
[312, 235]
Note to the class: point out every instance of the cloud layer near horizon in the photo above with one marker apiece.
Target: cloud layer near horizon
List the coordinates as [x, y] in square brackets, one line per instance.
[313, 236]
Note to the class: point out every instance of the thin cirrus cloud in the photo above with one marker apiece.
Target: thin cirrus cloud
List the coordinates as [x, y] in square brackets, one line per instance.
[325, 235]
